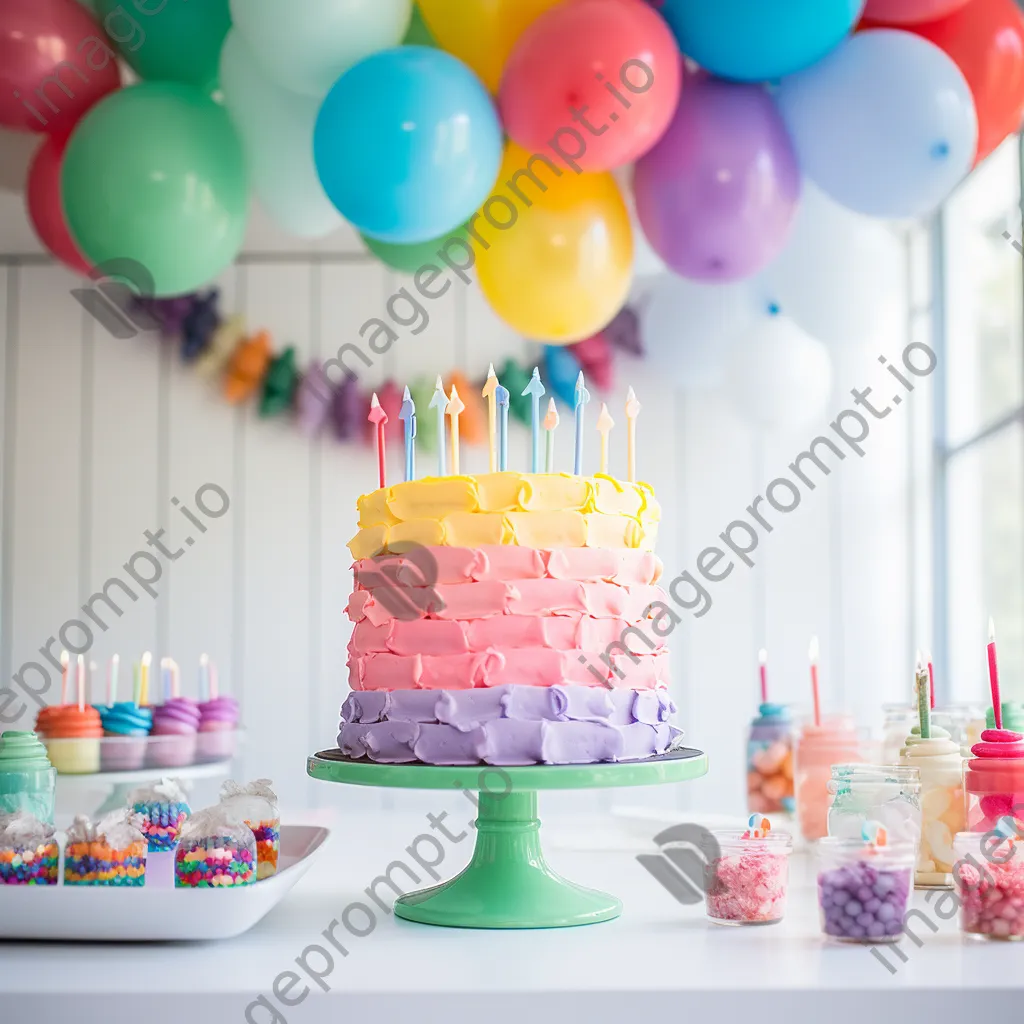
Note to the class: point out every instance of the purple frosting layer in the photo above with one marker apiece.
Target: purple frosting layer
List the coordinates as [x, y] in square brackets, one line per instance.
[178, 716]
[507, 725]
[221, 709]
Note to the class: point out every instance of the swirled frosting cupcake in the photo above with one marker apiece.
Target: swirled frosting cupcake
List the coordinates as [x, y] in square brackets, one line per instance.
[177, 722]
[125, 726]
[218, 721]
[72, 736]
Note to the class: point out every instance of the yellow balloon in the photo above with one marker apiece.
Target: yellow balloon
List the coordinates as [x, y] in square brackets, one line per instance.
[481, 33]
[558, 258]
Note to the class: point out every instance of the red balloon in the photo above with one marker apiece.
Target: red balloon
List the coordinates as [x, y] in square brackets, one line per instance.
[909, 12]
[55, 63]
[985, 40]
[45, 209]
[596, 81]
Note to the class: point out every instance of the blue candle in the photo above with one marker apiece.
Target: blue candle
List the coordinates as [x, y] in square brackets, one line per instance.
[408, 417]
[535, 389]
[501, 397]
[582, 397]
[440, 403]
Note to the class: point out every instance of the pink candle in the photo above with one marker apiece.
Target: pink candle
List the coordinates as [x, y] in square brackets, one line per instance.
[993, 675]
[813, 655]
[762, 658]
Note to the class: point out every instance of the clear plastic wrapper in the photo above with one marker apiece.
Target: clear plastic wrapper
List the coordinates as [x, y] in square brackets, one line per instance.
[215, 850]
[256, 805]
[29, 852]
[164, 809]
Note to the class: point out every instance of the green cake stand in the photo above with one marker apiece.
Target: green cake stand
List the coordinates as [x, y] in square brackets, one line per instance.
[508, 884]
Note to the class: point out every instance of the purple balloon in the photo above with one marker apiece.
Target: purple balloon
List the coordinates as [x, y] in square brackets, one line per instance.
[716, 196]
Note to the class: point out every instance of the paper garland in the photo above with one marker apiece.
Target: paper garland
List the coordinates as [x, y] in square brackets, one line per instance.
[249, 368]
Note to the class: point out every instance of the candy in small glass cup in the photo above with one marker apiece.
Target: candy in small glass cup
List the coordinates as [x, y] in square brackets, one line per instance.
[863, 889]
[748, 880]
[887, 794]
[770, 761]
[989, 880]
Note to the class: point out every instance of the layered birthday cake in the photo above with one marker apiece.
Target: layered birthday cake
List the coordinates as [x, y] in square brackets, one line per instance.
[508, 618]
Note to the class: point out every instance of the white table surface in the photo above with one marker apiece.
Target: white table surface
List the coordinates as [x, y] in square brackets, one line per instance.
[659, 961]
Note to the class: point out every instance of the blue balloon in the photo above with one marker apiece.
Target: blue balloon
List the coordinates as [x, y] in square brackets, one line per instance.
[886, 125]
[755, 40]
[407, 144]
[561, 370]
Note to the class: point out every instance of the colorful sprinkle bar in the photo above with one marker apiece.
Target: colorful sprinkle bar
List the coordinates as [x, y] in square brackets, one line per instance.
[268, 844]
[216, 861]
[162, 822]
[97, 864]
[30, 866]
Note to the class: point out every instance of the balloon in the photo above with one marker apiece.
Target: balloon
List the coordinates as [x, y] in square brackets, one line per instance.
[16, 152]
[407, 144]
[610, 67]
[563, 270]
[839, 275]
[885, 125]
[777, 376]
[687, 328]
[174, 41]
[754, 40]
[716, 196]
[276, 129]
[561, 369]
[409, 258]
[305, 45]
[55, 63]
[986, 41]
[155, 174]
[42, 196]
[907, 12]
[481, 33]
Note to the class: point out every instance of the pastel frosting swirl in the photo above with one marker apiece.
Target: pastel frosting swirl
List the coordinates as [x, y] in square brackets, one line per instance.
[177, 717]
[68, 721]
[126, 719]
[22, 752]
[223, 708]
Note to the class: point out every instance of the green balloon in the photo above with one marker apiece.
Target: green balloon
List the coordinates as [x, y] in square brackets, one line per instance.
[154, 176]
[172, 41]
[418, 33]
[409, 258]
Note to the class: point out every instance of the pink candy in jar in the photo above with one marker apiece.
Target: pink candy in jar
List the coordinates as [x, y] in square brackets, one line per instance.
[746, 880]
[989, 878]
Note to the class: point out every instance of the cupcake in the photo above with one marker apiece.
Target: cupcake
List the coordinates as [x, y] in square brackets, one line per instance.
[215, 850]
[218, 720]
[178, 721]
[163, 809]
[29, 853]
[125, 726]
[72, 736]
[27, 779]
[256, 805]
[111, 852]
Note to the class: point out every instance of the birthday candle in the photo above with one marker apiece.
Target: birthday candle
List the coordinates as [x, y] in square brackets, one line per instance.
[440, 403]
[535, 389]
[582, 397]
[762, 663]
[80, 681]
[144, 677]
[993, 675]
[812, 654]
[923, 703]
[64, 659]
[456, 407]
[115, 665]
[136, 685]
[379, 418]
[632, 411]
[165, 679]
[550, 422]
[91, 680]
[490, 386]
[604, 426]
[204, 677]
[214, 687]
[175, 678]
[931, 681]
[408, 417]
[501, 396]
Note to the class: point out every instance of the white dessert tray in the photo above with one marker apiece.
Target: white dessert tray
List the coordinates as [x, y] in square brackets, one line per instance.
[92, 913]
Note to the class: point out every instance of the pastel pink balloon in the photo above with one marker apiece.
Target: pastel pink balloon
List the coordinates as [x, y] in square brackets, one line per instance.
[55, 63]
[910, 12]
[45, 209]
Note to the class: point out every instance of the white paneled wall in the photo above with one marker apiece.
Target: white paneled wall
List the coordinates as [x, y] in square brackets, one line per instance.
[98, 435]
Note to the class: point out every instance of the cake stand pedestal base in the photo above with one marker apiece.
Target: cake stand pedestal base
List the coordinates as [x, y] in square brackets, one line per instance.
[508, 883]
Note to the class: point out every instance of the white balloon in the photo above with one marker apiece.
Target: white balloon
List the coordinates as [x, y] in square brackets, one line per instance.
[276, 128]
[839, 276]
[306, 45]
[688, 326]
[777, 375]
[16, 152]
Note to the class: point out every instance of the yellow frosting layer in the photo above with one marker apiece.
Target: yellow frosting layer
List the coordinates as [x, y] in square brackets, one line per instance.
[538, 510]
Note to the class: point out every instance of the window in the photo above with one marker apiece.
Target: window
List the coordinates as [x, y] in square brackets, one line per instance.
[979, 491]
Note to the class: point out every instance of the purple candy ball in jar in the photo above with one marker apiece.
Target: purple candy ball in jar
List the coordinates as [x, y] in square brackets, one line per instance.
[863, 888]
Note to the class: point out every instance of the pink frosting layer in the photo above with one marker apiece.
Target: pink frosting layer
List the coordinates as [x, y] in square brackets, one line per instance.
[509, 562]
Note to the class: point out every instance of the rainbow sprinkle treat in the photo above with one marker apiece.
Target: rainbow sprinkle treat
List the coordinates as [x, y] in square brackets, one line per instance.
[112, 852]
[78, 868]
[214, 851]
[164, 810]
[268, 844]
[29, 854]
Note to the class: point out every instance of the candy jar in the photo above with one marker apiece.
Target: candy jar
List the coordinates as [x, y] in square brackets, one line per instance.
[770, 761]
[746, 880]
[864, 886]
[820, 745]
[994, 781]
[989, 879]
[888, 794]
